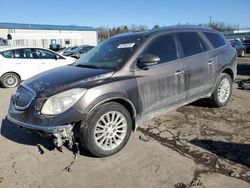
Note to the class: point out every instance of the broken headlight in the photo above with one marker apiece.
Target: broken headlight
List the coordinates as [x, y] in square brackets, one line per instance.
[61, 102]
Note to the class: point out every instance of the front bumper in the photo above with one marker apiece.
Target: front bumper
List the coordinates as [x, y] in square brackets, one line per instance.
[50, 129]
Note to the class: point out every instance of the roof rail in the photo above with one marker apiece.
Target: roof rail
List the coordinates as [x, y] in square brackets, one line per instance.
[183, 27]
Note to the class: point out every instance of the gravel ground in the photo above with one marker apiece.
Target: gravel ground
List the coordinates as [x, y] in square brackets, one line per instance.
[194, 146]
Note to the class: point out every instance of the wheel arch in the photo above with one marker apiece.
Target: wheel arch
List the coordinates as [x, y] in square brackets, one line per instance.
[228, 71]
[13, 73]
[124, 102]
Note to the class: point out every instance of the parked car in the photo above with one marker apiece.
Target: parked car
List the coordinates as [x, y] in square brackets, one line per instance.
[246, 43]
[78, 52]
[21, 63]
[239, 47]
[67, 49]
[3, 42]
[124, 81]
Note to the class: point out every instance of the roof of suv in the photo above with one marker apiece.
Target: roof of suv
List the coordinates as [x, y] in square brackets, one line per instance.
[169, 28]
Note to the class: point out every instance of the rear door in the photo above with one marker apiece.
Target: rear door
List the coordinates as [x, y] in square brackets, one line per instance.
[161, 86]
[216, 55]
[194, 53]
[24, 63]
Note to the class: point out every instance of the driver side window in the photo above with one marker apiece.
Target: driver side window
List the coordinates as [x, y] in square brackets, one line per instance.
[164, 47]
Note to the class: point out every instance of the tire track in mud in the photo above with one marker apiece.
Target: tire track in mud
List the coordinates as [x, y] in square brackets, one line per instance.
[194, 142]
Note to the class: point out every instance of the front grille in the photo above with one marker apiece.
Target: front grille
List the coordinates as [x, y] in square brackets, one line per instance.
[23, 97]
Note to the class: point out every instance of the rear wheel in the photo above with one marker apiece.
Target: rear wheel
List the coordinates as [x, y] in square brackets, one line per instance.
[10, 80]
[107, 129]
[222, 92]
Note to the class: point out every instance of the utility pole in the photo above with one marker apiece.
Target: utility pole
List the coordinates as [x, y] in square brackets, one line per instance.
[210, 21]
[108, 32]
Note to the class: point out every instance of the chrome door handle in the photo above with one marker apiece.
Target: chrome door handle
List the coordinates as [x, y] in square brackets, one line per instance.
[211, 62]
[179, 73]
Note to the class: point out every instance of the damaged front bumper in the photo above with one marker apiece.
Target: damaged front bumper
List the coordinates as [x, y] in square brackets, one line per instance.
[47, 129]
[56, 127]
[60, 134]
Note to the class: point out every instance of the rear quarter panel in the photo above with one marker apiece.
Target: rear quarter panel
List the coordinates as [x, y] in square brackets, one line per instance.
[225, 58]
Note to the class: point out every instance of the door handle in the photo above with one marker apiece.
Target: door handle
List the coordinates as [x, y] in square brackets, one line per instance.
[179, 73]
[43, 63]
[210, 62]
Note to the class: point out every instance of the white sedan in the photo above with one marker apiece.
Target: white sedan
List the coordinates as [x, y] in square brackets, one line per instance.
[21, 63]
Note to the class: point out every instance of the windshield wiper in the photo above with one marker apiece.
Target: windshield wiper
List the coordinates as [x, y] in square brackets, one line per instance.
[88, 66]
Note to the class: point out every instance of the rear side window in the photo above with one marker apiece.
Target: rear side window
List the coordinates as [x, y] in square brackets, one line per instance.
[191, 43]
[24, 53]
[8, 54]
[215, 39]
[164, 47]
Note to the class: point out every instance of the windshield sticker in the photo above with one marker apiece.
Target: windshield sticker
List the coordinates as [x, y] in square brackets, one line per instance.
[126, 45]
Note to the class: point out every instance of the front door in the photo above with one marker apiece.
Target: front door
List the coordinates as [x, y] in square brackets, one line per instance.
[161, 86]
[48, 60]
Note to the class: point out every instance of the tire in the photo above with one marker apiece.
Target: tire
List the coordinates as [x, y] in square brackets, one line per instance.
[10, 80]
[222, 92]
[102, 136]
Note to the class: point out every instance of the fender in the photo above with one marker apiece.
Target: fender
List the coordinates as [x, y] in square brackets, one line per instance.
[111, 97]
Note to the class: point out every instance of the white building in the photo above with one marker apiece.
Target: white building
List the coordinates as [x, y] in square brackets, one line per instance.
[45, 35]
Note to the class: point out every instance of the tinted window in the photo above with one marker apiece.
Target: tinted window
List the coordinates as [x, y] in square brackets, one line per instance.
[8, 54]
[203, 45]
[191, 43]
[164, 47]
[215, 39]
[24, 53]
[44, 54]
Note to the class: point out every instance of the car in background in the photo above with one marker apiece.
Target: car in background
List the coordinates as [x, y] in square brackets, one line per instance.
[3, 42]
[23, 62]
[67, 49]
[78, 52]
[246, 43]
[239, 47]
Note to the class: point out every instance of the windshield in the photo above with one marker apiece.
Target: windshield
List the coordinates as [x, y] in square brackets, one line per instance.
[74, 50]
[112, 53]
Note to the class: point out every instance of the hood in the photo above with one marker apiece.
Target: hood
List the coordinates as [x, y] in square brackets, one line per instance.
[63, 78]
[72, 59]
[68, 53]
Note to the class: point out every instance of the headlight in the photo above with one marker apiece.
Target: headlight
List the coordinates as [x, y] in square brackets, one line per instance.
[61, 102]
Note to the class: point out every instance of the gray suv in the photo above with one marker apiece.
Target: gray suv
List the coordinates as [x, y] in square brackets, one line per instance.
[124, 81]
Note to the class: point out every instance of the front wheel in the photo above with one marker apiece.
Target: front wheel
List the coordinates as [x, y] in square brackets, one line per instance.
[223, 91]
[107, 129]
[10, 80]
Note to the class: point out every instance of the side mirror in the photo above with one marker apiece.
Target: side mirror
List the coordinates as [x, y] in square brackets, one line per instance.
[57, 57]
[148, 60]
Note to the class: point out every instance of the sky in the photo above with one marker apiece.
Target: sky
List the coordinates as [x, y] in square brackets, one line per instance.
[111, 13]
